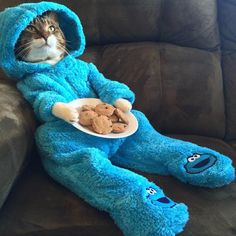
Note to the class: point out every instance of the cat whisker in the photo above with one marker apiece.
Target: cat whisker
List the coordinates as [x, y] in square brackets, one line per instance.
[68, 42]
[67, 52]
[22, 46]
[63, 49]
[25, 48]
[23, 52]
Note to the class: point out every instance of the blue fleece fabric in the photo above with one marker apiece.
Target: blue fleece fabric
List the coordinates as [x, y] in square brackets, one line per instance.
[88, 165]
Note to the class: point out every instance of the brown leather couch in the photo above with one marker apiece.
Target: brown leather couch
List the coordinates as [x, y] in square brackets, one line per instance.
[179, 56]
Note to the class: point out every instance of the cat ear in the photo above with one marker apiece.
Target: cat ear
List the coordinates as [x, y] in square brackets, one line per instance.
[52, 15]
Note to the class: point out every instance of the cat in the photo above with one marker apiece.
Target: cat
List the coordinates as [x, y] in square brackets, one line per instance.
[42, 41]
[98, 169]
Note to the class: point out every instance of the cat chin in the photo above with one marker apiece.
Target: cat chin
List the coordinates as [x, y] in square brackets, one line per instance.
[37, 55]
[51, 61]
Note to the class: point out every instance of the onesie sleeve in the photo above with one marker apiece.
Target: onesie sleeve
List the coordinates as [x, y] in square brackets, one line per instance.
[107, 90]
[42, 93]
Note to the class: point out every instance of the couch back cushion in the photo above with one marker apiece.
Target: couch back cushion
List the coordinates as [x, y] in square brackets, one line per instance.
[166, 51]
[183, 22]
[188, 23]
[178, 88]
[227, 19]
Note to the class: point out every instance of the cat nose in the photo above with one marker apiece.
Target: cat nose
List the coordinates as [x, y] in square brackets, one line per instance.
[45, 37]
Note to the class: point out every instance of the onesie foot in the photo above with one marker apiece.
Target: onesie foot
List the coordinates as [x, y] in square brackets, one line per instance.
[205, 168]
[149, 151]
[154, 214]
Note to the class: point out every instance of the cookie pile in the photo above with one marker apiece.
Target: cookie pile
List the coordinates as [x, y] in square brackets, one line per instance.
[103, 118]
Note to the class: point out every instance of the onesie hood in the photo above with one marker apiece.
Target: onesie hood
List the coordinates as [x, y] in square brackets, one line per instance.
[14, 20]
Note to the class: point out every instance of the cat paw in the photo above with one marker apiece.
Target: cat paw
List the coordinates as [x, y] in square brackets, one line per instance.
[71, 115]
[65, 112]
[123, 104]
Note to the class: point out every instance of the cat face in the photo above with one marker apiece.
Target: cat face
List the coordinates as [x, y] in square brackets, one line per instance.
[42, 41]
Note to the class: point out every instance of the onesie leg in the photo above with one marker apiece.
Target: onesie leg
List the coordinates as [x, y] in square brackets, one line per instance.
[149, 151]
[138, 206]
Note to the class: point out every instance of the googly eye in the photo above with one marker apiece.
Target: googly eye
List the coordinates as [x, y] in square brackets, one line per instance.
[196, 155]
[191, 159]
[151, 191]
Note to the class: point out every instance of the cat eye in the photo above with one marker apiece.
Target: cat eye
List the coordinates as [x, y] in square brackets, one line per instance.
[31, 28]
[51, 28]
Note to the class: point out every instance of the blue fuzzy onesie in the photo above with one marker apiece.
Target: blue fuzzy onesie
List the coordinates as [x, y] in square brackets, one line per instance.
[95, 168]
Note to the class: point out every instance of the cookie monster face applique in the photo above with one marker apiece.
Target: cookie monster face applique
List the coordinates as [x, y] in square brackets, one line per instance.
[158, 199]
[197, 163]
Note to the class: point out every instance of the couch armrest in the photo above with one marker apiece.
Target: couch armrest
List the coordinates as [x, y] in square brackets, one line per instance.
[17, 126]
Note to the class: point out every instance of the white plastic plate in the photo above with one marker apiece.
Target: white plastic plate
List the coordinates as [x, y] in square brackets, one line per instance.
[131, 129]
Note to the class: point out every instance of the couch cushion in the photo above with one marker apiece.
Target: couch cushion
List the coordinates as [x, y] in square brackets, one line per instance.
[227, 19]
[229, 72]
[190, 23]
[16, 132]
[156, 20]
[107, 21]
[177, 86]
[39, 206]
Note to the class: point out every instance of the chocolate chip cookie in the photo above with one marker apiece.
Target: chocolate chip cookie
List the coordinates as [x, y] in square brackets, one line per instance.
[88, 108]
[102, 124]
[121, 115]
[118, 127]
[114, 118]
[104, 109]
[85, 117]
